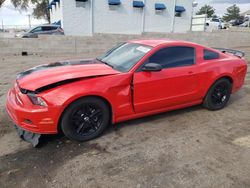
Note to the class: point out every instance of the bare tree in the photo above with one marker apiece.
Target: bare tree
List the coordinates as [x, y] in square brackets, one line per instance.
[1, 3]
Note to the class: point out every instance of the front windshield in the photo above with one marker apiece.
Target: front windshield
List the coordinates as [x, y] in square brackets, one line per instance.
[30, 30]
[124, 56]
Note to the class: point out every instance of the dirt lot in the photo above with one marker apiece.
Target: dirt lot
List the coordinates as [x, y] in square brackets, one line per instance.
[192, 147]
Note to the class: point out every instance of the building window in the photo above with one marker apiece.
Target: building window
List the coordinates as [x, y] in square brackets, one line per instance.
[138, 4]
[114, 2]
[160, 6]
[179, 10]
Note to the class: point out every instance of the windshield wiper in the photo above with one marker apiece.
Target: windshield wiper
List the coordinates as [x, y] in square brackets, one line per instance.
[104, 62]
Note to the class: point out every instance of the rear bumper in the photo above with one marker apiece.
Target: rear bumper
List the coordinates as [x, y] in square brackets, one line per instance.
[35, 119]
[240, 76]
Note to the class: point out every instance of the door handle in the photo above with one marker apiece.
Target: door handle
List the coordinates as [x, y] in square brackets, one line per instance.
[190, 72]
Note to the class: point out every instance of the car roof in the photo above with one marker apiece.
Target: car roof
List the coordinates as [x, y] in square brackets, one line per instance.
[48, 25]
[156, 42]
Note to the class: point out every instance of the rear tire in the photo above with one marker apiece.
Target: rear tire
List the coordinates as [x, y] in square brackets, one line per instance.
[85, 119]
[218, 95]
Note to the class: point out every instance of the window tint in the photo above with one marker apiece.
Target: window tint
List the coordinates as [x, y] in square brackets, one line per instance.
[174, 57]
[209, 55]
[125, 56]
[215, 20]
[37, 29]
[48, 28]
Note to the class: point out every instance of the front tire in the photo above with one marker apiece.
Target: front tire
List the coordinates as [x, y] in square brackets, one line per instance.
[218, 95]
[85, 119]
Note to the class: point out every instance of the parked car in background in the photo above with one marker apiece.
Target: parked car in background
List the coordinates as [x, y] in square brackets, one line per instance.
[43, 30]
[246, 21]
[245, 24]
[236, 22]
[216, 23]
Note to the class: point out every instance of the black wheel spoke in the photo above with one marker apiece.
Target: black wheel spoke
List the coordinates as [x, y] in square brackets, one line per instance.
[95, 113]
[80, 128]
[94, 124]
[87, 119]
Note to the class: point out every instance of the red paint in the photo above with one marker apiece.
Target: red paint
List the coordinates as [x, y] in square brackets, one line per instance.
[130, 95]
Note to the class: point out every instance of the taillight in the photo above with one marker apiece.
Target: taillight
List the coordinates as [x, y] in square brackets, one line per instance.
[60, 29]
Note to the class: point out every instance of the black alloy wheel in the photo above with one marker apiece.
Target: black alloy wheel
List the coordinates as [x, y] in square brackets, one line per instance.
[218, 95]
[85, 119]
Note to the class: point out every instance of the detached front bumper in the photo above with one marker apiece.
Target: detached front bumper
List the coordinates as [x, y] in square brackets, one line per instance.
[31, 118]
[30, 137]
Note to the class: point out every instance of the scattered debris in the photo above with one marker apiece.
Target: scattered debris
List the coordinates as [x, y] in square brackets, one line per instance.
[24, 53]
[28, 136]
[243, 141]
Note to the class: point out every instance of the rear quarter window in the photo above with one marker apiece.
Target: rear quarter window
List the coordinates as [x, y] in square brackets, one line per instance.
[209, 55]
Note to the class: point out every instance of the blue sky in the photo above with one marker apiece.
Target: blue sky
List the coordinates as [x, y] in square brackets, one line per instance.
[10, 16]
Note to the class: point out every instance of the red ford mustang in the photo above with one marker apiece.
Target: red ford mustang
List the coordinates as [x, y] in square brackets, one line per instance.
[134, 79]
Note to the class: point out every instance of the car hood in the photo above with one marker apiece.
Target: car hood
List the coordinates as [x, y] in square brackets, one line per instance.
[62, 72]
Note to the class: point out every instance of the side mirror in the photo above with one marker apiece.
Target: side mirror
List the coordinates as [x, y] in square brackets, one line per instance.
[152, 67]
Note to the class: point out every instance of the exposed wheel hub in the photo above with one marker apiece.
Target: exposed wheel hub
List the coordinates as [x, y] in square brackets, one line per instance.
[87, 119]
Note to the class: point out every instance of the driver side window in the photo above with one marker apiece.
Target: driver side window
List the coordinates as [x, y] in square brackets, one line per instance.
[37, 29]
[176, 56]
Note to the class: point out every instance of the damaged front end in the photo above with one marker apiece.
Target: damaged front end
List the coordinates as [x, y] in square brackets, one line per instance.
[35, 115]
[27, 136]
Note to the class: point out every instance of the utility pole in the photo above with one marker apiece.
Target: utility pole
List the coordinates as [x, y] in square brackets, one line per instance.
[248, 16]
[29, 16]
[173, 24]
[2, 26]
[143, 17]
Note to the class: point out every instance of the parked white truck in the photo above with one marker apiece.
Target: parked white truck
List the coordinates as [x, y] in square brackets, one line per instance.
[215, 23]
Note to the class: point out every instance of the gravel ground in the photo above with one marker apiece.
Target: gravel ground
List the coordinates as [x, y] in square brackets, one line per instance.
[192, 147]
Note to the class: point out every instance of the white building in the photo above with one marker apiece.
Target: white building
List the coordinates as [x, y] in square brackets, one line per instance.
[86, 17]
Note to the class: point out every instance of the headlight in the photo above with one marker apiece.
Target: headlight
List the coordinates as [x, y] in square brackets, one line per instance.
[37, 100]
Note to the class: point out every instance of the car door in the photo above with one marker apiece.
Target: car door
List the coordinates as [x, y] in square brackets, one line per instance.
[47, 30]
[176, 84]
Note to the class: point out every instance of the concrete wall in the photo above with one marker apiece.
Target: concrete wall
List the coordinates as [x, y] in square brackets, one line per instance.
[96, 16]
[55, 45]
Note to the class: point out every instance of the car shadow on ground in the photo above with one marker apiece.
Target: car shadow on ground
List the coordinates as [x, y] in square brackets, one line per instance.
[60, 138]
[114, 128]
[56, 150]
